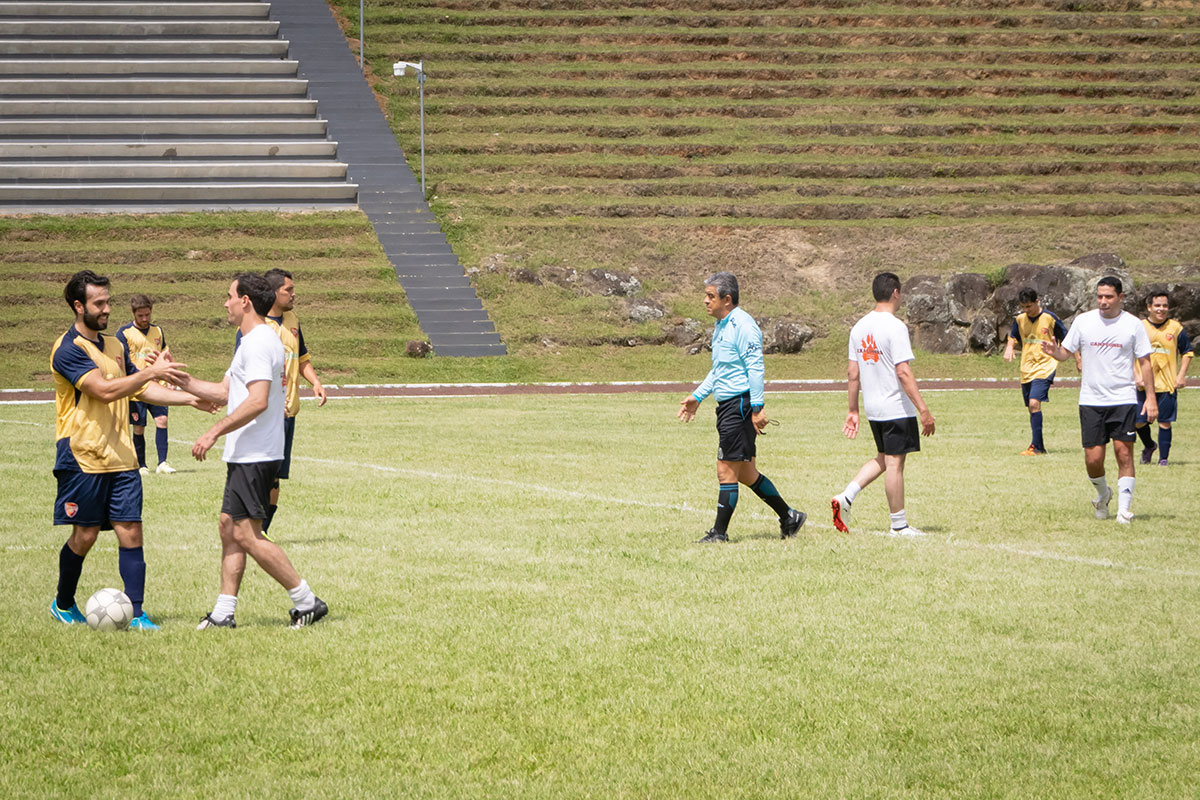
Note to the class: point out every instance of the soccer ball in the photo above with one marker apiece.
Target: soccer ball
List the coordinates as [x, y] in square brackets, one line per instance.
[109, 610]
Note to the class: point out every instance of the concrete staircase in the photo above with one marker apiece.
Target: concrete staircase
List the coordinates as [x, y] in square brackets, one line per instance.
[157, 106]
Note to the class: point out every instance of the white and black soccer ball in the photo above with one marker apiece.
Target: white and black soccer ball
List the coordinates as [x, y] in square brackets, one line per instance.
[109, 610]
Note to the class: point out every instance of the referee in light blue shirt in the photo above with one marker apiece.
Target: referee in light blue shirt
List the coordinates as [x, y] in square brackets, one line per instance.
[736, 378]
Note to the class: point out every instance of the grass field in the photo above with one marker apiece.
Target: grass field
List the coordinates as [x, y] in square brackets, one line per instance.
[518, 610]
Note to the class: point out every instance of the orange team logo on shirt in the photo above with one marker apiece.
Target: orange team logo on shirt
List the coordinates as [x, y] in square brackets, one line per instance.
[71, 508]
[868, 350]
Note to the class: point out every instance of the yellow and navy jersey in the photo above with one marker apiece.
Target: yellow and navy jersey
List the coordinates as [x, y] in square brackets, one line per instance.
[291, 363]
[1168, 342]
[1045, 327]
[141, 343]
[91, 435]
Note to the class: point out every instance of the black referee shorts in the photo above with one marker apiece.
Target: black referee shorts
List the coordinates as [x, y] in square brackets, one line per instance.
[735, 429]
[248, 489]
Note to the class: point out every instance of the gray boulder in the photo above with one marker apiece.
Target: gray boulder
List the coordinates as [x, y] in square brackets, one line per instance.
[939, 337]
[984, 336]
[966, 293]
[926, 300]
[645, 309]
[785, 335]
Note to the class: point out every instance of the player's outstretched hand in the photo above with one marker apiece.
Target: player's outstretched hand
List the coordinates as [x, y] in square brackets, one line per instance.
[206, 406]
[851, 426]
[203, 445]
[926, 423]
[687, 408]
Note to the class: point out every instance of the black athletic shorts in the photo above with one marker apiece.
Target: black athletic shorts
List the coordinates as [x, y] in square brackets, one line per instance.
[895, 437]
[1101, 424]
[735, 429]
[289, 431]
[248, 489]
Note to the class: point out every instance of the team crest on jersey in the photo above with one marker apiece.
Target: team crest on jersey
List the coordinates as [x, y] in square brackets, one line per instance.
[71, 508]
[296, 332]
[868, 349]
[1170, 336]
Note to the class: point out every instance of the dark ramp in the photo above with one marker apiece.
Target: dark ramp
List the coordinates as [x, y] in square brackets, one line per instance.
[447, 307]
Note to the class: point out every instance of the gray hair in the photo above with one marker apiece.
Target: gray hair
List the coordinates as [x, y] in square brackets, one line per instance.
[726, 285]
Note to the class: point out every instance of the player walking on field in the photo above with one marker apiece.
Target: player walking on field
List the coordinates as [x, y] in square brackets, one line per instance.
[1033, 326]
[99, 487]
[1111, 341]
[143, 337]
[880, 364]
[737, 379]
[254, 389]
[1170, 356]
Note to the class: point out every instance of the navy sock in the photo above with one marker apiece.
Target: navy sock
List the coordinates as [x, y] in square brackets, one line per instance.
[767, 492]
[1143, 433]
[1035, 422]
[160, 443]
[726, 503]
[139, 447]
[131, 563]
[270, 516]
[70, 567]
[1164, 443]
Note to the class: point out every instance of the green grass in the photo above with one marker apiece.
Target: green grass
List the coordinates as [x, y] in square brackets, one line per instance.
[521, 613]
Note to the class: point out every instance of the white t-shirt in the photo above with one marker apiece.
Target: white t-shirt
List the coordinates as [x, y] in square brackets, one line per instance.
[1110, 349]
[878, 342]
[259, 357]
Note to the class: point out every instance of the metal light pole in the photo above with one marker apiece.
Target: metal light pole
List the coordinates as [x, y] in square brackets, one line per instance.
[419, 68]
[362, 65]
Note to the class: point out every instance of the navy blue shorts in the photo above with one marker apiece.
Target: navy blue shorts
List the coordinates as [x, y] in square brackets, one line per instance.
[141, 413]
[89, 499]
[735, 429]
[1037, 389]
[289, 431]
[1168, 406]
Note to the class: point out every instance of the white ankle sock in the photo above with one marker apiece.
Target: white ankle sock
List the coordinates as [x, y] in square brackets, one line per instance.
[226, 605]
[302, 596]
[852, 490]
[899, 520]
[1124, 493]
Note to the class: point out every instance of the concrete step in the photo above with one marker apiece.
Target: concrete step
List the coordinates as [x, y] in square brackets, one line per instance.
[87, 28]
[157, 108]
[153, 10]
[455, 326]
[171, 170]
[94, 67]
[168, 149]
[77, 129]
[149, 192]
[78, 46]
[446, 304]
[153, 87]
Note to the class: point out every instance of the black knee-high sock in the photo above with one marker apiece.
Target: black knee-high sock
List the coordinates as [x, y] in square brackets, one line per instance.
[139, 447]
[1164, 443]
[70, 567]
[1143, 433]
[726, 503]
[131, 563]
[1035, 424]
[767, 492]
[160, 443]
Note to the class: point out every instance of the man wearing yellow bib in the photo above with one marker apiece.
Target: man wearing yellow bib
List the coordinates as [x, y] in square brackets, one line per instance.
[1033, 326]
[1170, 356]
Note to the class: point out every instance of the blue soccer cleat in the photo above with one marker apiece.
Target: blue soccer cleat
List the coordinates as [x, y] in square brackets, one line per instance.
[69, 617]
[142, 623]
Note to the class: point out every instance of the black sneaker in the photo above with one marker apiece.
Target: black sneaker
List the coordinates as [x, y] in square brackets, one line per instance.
[793, 522]
[209, 622]
[302, 619]
[1148, 453]
[713, 537]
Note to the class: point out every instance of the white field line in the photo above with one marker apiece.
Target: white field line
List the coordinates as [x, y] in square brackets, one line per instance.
[684, 507]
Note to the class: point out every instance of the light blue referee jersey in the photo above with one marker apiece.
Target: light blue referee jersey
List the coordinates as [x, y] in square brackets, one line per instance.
[737, 362]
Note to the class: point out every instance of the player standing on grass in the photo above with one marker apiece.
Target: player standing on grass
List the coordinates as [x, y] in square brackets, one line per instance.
[880, 356]
[253, 387]
[99, 487]
[143, 337]
[1033, 326]
[1171, 353]
[1111, 342]
[737, 378]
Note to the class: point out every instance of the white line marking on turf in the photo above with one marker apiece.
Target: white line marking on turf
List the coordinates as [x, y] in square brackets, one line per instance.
[1090, 562]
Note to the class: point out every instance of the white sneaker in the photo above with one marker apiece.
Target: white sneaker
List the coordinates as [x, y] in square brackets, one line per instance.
[1124, 517]
[165, 469]
[907, 530]
[1101, 505]
[144, 471]
[841, 513]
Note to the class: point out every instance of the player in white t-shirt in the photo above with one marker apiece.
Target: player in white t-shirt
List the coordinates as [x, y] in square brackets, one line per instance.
[1110, 342]
[880, 355]
[254, 390]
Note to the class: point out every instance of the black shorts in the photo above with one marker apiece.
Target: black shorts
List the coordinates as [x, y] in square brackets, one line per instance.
[735, 429]
[248, 489]
[895, 437]
[289, 430]
[1101, 424]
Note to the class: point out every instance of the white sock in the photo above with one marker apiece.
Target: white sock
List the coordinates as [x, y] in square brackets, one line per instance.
[226, 605]
[1101, 486]
[302, 596]
[852, 490]
[899, 520]
[1124, 493]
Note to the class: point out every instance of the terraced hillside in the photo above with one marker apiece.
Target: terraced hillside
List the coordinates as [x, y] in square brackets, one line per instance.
[639, 135]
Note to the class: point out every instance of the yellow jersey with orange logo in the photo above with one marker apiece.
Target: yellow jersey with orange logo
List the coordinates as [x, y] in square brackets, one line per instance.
[1045, 327]
[1168, 342]
[91, 435]
[141, 343]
